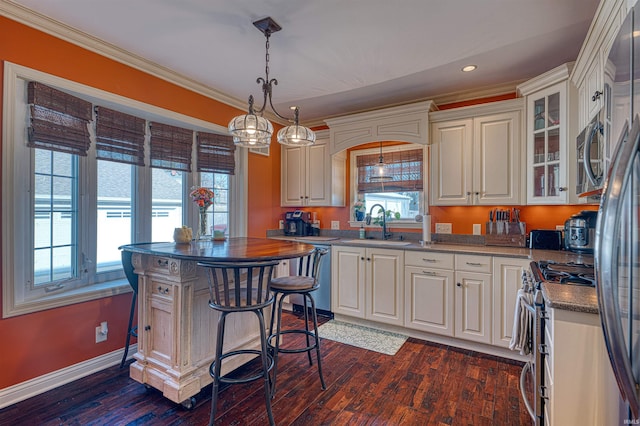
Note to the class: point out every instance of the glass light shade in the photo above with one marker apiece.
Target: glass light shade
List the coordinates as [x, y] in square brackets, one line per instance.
[296, 135]
[252, 141]
[250, 127]
[380, 176]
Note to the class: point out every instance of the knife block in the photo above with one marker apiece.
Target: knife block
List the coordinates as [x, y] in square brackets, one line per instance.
[501, 233]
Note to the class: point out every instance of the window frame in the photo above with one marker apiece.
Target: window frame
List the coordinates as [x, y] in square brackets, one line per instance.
[353, 173]
[17, 226]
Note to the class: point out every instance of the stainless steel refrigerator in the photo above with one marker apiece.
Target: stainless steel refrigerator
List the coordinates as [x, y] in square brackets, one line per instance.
[617, 251]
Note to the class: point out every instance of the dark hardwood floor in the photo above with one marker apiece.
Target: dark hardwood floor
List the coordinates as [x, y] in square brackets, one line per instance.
[423, 384]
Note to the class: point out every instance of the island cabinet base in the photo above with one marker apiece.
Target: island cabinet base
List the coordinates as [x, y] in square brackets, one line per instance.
[177, 329]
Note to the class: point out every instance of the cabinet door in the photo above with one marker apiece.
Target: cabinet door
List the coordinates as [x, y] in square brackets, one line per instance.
[473, 306]
[384, 289]
[548, 159]
[428, 295]
[507, 280]
[318, 177]
[497, 163]
[293, 176]
[347, 281]
[451, 162]
[158, 323]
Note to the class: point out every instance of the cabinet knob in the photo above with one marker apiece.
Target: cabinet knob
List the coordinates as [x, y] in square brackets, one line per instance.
[459, 285]
[147, 327]
[362, 258]
[596, 95]
[562, 188]
[368, 259]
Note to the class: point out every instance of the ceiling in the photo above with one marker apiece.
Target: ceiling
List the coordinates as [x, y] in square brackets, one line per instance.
[335, 57]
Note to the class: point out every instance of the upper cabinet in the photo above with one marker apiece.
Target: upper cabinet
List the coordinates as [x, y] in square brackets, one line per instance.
[476, 156]
[312, 177]
[551, 109]
[588, 75]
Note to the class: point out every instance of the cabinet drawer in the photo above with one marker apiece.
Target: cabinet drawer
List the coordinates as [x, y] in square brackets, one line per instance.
[165, 290]
[428, 259]
[472, 263]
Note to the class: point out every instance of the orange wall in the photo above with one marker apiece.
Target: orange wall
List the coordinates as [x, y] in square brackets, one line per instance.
[39, 343]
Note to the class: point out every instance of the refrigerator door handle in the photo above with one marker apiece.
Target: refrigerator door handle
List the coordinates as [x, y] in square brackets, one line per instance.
[607, 237]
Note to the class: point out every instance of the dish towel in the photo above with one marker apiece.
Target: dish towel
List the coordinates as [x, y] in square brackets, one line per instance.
[522, 324]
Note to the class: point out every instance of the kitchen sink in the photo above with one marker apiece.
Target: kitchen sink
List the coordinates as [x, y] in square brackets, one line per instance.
[378, 242]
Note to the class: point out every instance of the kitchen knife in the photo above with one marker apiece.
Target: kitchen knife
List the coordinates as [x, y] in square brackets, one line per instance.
[491, 221]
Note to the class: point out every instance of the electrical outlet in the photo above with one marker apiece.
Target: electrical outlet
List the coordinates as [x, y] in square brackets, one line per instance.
[477, 229]
[559, 227]
[443, 228]
[335, 224]
[101, 332]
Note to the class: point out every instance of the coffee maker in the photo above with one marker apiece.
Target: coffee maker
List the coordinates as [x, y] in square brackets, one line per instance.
[297, 223]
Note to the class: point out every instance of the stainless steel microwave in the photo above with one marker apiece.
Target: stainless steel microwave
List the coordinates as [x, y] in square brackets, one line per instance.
[590, 157]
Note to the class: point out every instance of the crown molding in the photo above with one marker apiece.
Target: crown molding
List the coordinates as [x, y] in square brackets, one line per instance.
[26, 16]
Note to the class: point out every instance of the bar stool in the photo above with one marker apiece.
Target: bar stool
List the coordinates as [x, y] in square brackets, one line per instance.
[133, 282]
[303, 284]
[240, 287]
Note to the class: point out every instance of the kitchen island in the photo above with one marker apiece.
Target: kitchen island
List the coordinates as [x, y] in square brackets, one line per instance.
[176, 327]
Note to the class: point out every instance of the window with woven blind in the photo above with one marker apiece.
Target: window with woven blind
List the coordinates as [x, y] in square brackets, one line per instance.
[59, 121]
[170, 147]
[216, 153]
[403, 169]
[119, 136]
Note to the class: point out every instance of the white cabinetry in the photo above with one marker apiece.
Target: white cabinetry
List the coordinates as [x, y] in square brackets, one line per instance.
[507, 280]
[551, 129]
[312, 177]
[428, 291]
[475, 155]
[579, 383]
[473, 298]
[367, 283]
[589, 73]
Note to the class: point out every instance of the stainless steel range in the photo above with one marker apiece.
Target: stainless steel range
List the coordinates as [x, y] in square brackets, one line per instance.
[534, 311]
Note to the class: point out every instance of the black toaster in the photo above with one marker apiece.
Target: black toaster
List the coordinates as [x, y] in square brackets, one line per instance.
[545, 239]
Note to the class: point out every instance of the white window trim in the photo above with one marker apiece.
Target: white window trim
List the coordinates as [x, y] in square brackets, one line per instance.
[13, 218]
[401, 223]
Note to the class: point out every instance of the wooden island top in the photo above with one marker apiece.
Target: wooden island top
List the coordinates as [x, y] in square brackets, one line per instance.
[239, 249]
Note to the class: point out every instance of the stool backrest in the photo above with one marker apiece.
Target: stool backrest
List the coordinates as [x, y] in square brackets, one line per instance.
[132, 277]
[239, 286]
[309, 266]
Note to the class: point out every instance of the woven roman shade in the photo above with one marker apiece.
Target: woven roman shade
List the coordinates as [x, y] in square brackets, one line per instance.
[403, 167]
[119, 136]
[171, 147]
[59, 121]
[216, 153]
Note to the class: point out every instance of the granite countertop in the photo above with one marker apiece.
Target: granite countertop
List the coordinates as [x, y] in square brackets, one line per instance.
[558, 296]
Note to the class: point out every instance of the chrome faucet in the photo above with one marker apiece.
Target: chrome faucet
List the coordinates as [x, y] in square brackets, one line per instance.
[385, 235]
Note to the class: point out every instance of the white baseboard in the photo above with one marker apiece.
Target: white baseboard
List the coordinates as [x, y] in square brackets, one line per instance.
[41, 384]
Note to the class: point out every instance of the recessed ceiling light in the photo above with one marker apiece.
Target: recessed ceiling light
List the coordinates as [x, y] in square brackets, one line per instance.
[469, 68]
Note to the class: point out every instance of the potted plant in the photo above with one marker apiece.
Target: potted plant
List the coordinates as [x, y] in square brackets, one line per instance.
[359, 209]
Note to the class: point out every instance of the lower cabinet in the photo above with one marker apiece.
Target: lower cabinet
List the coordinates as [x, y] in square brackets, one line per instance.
[465, 296]
[367, 283]
[473, 297]
[575, 345]
[428, 292]
[507, 280]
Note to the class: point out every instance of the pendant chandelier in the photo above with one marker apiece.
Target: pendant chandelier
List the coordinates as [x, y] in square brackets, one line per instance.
[252, 130]
[380, 174]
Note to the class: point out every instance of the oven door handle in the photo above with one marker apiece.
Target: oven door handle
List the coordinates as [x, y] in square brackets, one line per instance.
[523, 375]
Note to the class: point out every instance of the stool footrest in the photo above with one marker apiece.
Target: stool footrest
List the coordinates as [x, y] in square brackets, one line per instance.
[248, 379]
[295, 350]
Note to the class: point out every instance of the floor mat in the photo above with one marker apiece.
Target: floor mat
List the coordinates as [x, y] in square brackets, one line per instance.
[363, 337]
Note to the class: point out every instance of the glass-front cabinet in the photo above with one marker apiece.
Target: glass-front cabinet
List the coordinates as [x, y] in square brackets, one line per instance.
[546, 145]
[551, 151]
